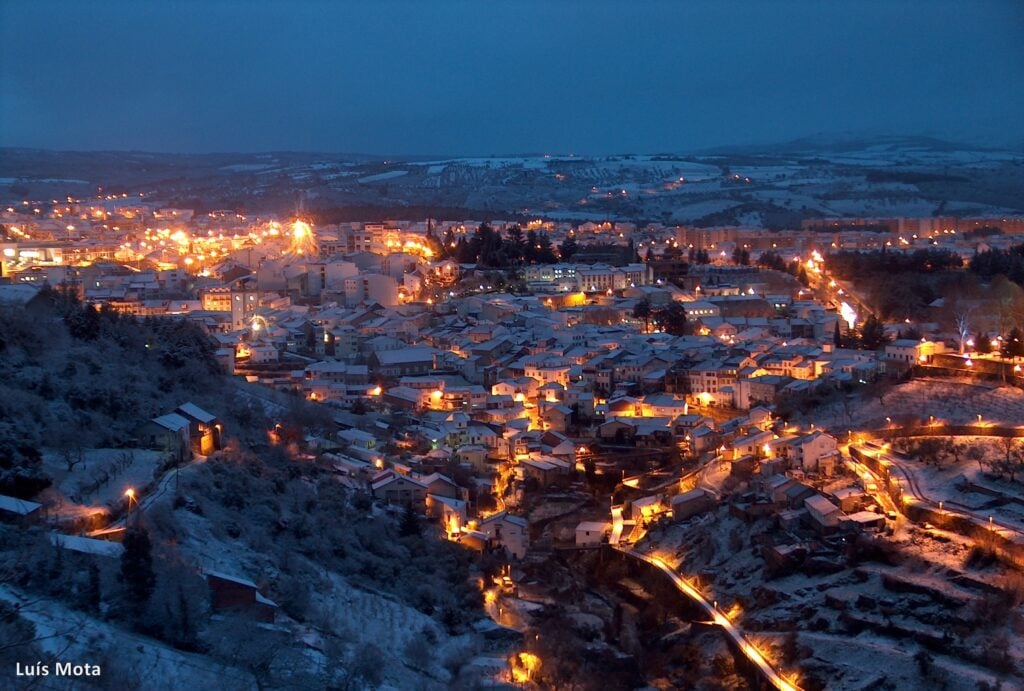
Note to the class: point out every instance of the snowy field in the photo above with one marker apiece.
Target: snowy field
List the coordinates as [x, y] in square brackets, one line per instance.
[718, 550]
[101, 478]
[956, 402]
[126, 660]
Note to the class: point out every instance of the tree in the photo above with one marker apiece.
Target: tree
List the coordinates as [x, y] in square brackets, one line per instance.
[872, 333]
[94, 590]
[545, 252]
[837, 336]
[643, 311]
[516, 245]
[963, 329]
[137, 568]
[976, 453]
[1013, 458]
[1013, 345]
[568, 248]
[801, 275]
[410, 523]
[982, 343]
[911, 333]
[673, 319]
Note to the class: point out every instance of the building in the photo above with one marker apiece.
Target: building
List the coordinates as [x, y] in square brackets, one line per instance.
[507, 531]
[403, 362]
[205, 429]
[233, 594]
[399, 489]
[589, 533]
[170, 433]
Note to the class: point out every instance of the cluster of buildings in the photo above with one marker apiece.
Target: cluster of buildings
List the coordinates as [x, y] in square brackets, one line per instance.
[496, 391]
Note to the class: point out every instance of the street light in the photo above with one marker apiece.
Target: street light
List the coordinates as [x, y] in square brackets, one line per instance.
[130, 494]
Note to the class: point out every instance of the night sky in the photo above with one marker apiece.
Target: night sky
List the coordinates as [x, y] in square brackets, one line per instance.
[483, 78]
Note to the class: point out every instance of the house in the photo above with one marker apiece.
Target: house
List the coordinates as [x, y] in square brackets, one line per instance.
[475, 455]
[617, 429]
[443, 486]
[908, 351]
[546, 471]
[689, 504]
[453, 513]
[87, 545]
[399, 489]
[850, 499]
[168, 433]
[812, 452]
[592, 532]
[358, 439]
[824, 514]
[646, 508]
[234, 594]
[204, 428]
[556, 417]
[863, 521]
[20, 511]
[755, 444]
[402, 362]
[508, 531]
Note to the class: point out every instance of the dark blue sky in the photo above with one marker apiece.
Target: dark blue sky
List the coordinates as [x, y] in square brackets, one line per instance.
[477, 77]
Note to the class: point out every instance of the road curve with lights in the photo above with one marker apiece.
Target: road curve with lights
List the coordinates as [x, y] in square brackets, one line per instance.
[749, 651]
[910, 480]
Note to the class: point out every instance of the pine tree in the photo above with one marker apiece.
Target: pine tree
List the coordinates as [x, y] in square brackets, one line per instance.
[673, 319]
[137, 568]
[982, 344]
[837, 336]
[410, 523]
[872, 333]
[643, 311]
[1013, 345]
[568, 248]
[94, 591]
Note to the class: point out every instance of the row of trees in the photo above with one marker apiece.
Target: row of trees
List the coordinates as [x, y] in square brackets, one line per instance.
[871, 335]
[487, 247]
[670, 318]
[899, 285]
[1009, 346]
[993, 262]
[1008, 461]
[775, 261]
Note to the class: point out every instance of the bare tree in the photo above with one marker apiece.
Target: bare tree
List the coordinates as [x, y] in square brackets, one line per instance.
[963, 329]
[1012, 461]
[976, 453]
[68, 443]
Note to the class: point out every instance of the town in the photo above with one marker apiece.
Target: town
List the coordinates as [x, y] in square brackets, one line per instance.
[551, 387]
[450, 346]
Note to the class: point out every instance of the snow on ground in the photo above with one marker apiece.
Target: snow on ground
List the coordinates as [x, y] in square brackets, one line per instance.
[944, 482]
[717, 549]
[243, 167]
[127, 660]
[387, 175]
[357, 614]
[855, 655]
[949, 400]
[101, 478]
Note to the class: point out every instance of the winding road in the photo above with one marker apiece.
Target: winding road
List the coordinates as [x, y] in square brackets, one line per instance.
[911, 483]
[749, 651]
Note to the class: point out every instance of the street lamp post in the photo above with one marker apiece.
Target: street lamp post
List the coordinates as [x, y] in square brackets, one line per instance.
[130, 494]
